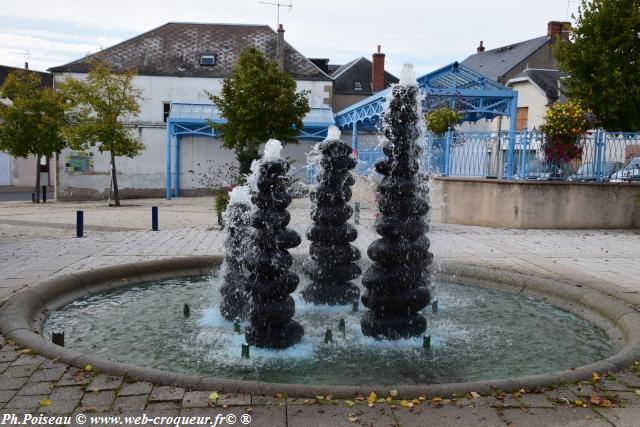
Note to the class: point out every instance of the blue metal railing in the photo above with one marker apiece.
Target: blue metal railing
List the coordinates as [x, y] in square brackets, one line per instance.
[486, 154]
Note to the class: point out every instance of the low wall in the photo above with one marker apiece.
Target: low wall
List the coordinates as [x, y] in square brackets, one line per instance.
[539, 204]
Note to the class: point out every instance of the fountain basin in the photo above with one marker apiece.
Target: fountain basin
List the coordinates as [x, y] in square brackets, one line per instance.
[23, 316]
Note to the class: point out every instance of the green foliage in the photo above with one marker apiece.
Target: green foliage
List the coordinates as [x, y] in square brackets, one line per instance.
[259, 102]
[441, 120]
[33, 124]
[100, 106]
[603, 62]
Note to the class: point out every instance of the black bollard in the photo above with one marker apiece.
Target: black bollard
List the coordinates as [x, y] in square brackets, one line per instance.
[154, 218]
[79, 223]
[328, 336]
[44, 194]
[186, 310]
[434, 306]
[245, 350]
[33, 197]
[342, 327]
[58, 338]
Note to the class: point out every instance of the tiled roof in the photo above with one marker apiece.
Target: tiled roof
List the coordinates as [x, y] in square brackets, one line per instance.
[47, 78]
[496, 63]
[358, 70]
[176, 49]
[547, 80]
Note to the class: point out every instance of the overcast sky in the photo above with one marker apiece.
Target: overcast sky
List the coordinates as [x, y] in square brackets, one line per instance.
[427, 33]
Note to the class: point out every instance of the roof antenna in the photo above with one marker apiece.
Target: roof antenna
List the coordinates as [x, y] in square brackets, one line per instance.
[568, 8]
[278, 5]
[26, 56]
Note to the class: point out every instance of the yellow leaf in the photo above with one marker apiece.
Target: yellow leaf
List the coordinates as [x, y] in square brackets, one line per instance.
[595, 377]
[381, 400]
[214, 396]
[406, 404]
[474, 395]
[350, 403]
[352, 418]
[91, 408]
[307, 402]
[88, 368]
[319, 397]
[637, 392]
[45, 402]
[436, 399]
[372, 397]
[393, 393]
[578, 402]
[422, 398]
[26, 351]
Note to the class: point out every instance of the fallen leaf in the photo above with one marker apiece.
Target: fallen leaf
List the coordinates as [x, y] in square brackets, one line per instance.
[352, 418]
[44, 402]
[214, 396]
[279, 395]
[91, 408]
[406, 404]
[319, 397]
[393, 393]
[474, 395]
[372, 398]
[27, 351]
[595, 377]
[637, 392]
[350, 403]
[88, 368]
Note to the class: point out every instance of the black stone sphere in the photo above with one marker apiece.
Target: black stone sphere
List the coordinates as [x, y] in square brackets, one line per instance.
[331, 266]
[397, 281]
[268, 261]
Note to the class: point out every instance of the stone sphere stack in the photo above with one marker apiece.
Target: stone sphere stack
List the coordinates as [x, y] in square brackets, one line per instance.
[397, 281]
[331, 266]
[234, 289]
[270, 282]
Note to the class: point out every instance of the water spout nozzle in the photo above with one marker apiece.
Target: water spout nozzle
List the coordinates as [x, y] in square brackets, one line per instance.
[434, 306]
[356, 306]
[245, 350]
[342, 327]
[186, 310]
[328, 336]
[426, 342]
[236, 325]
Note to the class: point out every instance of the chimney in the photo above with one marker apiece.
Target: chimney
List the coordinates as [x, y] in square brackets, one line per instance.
[377, 71]
[480, 48]
[26, 65]
[558, 28]
[280, 48]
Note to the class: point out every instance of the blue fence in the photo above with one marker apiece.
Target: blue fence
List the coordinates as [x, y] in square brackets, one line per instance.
[486, 154]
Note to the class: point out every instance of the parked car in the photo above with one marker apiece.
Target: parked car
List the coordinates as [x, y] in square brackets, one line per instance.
[587, 172]
[541, 169]
[631, 172]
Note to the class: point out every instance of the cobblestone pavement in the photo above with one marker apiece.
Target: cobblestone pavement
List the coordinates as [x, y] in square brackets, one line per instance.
[37, 242]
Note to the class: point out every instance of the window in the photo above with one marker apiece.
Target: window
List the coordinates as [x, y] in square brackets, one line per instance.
[357, 86]
[522, 117]
[166, 110]
[208, 60]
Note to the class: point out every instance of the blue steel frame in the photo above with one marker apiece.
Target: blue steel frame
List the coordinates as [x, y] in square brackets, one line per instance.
[472, 94]
[199, 126]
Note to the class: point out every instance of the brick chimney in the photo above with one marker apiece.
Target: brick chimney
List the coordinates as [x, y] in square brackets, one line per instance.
[280, 48]
[480, 48]
[377, 71]
[558, 28]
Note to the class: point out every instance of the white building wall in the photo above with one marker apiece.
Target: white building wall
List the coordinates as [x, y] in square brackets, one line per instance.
[531, 96]
[144, 175]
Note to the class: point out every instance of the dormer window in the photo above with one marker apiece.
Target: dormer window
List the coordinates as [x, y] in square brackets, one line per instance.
[357, 86]
[208, 60]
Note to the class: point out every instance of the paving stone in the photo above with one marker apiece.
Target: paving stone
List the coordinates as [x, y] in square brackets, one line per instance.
[164, 393]
[266, 400]
[447, 415]
[560, 397]
[36, 388]
[162, 406]
[629, 378]
[234, 399]
[537, 400]
[331, 415]
[132, 389]
[130, 403]
[75, 376]
[59, 407]
[11, 383]
[26, 403]
[4, 366]
[621, 417]
[21, 370]
[53, 374]
[104, 382]
[567, 417]
[98, 399]
[196, 399]
[48, 364]
[6, 395]
[8, 356]
[67, 393]
[28, 359]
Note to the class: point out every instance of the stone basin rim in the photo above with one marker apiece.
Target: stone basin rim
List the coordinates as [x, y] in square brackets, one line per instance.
[23, 315]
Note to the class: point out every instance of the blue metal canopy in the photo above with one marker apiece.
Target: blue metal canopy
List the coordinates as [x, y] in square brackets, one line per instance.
[187, 119]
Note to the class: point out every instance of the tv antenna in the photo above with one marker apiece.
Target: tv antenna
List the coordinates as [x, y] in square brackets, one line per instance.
[278, 5]
[568, 8]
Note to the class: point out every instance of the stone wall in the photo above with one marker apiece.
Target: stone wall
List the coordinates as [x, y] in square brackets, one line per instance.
[538, 204]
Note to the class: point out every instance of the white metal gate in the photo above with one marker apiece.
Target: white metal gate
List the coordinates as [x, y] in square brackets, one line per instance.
[5, 169]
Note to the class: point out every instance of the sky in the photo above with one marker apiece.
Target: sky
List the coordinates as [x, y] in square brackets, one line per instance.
[426, 33]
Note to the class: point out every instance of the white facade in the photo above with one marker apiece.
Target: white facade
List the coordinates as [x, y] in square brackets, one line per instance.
[144, 175]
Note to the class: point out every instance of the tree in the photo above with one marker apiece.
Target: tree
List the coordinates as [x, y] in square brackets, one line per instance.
[259, 102]
[100, 107]
[33, 123]
[603, 62]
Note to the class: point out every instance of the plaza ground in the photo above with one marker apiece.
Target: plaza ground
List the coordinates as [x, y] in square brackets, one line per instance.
[38, 242]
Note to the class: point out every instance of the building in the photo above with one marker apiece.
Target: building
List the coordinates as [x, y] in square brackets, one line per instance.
[514, 63]
[175, 64]
[21, 172]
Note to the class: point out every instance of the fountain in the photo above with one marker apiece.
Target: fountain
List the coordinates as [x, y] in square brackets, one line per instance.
[270, 282]
[331, 267]
[396, 282]
[234, 303]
